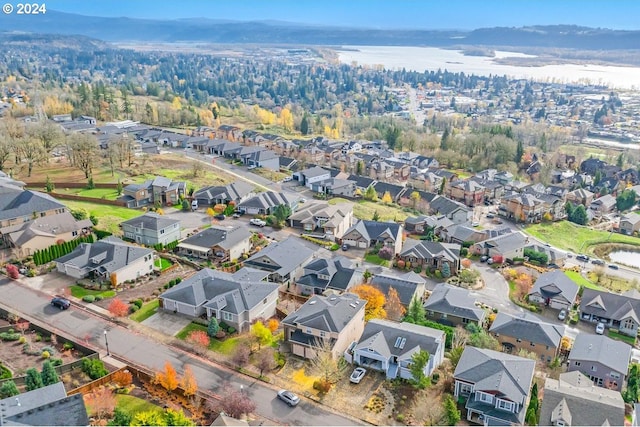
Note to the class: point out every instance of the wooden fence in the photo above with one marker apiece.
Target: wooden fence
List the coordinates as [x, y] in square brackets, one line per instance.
[39, 185]
[88, 199]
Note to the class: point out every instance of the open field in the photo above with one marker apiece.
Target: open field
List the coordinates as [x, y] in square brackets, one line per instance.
[364, 209]
[109, 217]
[568, 236]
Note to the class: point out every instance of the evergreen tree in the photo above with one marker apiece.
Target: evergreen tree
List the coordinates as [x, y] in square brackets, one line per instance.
[444, 141]
[33, 380]
[376, 216]
[446, 270]
[416, 311]
[531, 416]
[8, 389]
[452, 414]
[213, 327]
[49, 374]
[48, 185]
[519, 152]
[304, 125]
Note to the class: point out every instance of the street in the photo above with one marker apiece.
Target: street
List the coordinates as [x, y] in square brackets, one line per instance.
[143, 351]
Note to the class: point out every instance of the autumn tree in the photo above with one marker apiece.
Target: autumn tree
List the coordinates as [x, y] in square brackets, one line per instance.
[168, 378]
[240, 356]
[394, 308]
[262, 334]
[266, 360]
[148, 418]
[386, 198]
[174, 417]
[286, 119]
[199, 338]
[113, 278]
[210, 212]
[197, 169]
[236, 404]
[188, 382]
[415, 198]
[118, 308]
[273, 325]
[100, 402]
[83, 152]
[123, 378]
[374, 309]
[324, 364]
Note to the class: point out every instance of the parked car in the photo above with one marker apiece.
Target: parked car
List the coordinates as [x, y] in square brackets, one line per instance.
[490, 216]
[613, 266]
[61, 303]
[553, 266]
[597, 262]
[258, 222]
[562, 315]
[251, 167]
[345, 247]
[287, 179]
[582, 258]
[237, 215]
[288, 397]
[357, 375]
[484, 258]
[490, 261]
[600, 328]
[220, 217]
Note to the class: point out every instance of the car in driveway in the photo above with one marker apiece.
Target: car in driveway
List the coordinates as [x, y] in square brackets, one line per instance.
[562, 315]
[345, 247]
[490, 216]
[357, 375]
[220, 217]
[484, 258]
[61, 303]
[600, 328]
[257, 221]
[288, 397]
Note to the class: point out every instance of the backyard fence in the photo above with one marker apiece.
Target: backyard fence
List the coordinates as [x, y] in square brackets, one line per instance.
[88, 199]
[39, 185]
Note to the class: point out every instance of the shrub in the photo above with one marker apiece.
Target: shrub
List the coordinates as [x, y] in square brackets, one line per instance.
[12, 271]
[231, 330]
[123, 378]
[213, 327]
[280, 359]
[386, 253]
[49, 350]
[98, 298]
[94, 368]
[199, 338]
[401, 264]
[133, 308]
[322, 385]
[10, 336]
[88, 298]
[22, 339]
[67, 346]
[56, 361]
[118, 308]
[138, 302]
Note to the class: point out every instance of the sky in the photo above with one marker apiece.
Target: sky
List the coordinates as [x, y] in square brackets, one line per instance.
[397, 14]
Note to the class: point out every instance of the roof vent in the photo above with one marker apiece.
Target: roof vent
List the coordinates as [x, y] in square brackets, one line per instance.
[352, 305]
[312, 302]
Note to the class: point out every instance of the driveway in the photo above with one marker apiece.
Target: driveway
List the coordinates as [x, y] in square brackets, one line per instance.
[167, 323]
[495, 293]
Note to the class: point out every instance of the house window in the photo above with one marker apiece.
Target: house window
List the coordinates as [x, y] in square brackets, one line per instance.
[74, 233]
[560, 423]
[465, 388]
[322, 334]
[227, 316]
[465, 320]
[576, 363]
[308, 331]
[594, 368]
[518, 340]
[444, 315]
[532, 344]
[484, 397]
[430, 313]
[503, 404]
[614, 375]
[161, 231]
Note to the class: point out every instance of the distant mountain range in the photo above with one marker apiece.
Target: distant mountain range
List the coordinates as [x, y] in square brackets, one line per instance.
[276, 32]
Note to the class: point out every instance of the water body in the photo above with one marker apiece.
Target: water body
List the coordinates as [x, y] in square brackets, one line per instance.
[626, 257]
[432, 59]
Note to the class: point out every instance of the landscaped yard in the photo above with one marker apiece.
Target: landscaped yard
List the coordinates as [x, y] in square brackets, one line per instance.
[147, 310]
[568, 236]
[162, 263]
[97, 193]
[375, 259]
[226, 346]
[621, 337]
[365, 209]
[79, 292]
[132, 405]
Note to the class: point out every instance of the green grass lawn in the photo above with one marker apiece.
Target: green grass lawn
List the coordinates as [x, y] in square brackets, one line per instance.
[568, 236]
[133, 405]
[79, 292]
[375, 259]
[162, 263]
[147, 310]
[621, 337]
[225, 347]
[581, 281]
[365, 209]
[109, 217]
[184, 333]
[97, 193]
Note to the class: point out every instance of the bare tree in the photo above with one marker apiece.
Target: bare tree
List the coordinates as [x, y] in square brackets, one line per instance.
[266, 360]
[235, 404]
[29, 150]
[325, 365]
[49, 134]
[241, 356]
[460, 337]
[196, 168]
[84, 152]
[6, 150]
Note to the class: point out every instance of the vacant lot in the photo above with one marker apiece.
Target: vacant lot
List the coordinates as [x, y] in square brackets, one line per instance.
[109, 217]
[568, 236]
[365, 209]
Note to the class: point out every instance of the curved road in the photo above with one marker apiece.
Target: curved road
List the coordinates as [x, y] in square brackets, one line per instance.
[145, 352]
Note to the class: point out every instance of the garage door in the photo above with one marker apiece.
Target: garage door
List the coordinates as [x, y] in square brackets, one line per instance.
[362, 245]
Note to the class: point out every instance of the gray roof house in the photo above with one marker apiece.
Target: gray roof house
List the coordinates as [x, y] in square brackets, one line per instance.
[389, 347]
[45, 406]
[322, 273]
[613, 310]
[452, 306]
[284, 259]
[266, 202]
[151, 229]
[629, 223]
[234, 299]
[496, 386]
[527, 332]
[322, 218]
[508, 245]
[236, 192]
[157, 190]
[369, 233]
[223, 243]
[311, 175]
[572, 400]
[337, 320]
[455, 211]
[408, 285]
[554, 289]
[266, 159]
[431, 255]
[603, 360]
[18, 205]
[107, 259]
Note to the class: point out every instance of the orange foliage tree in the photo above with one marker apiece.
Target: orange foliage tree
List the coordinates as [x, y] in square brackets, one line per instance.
[100, 402]
[188, 382]
[466, 263]
[273, 324]
[375, 301]
[219, 208]
[523, 284]
[118, 308]
[114, 280]
[394, 308]
[199, 338]
[168, 378]
[123, 378]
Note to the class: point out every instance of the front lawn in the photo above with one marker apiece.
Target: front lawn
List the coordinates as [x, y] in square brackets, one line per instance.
[147, 310]
[162, 263]
[568, 236]
[226, 346]
[79, 292]
[96, 193]
[184, 333]
[375, 259]
[622, 337]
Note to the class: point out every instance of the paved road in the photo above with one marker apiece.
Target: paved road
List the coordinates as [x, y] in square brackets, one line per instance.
[495, 293]
[148, 353]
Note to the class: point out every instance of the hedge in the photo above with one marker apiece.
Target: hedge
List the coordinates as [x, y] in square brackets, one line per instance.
[56, 251]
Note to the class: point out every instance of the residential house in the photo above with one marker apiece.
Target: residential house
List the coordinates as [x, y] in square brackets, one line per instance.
[455, 211]
[580, 196]
[422, 224]
[365, 234]
[395, 191]
[527, 332]
[225, 420]
[159, 190]
[509, 246]
[266, 202]
[416, 199]
[571, 400]
[335, 321]
[230, 298]
[389, 347]
[554, 289]
[335, 187]
[236, 192]
[45, 406]
[629, 224]
[522, 207]
[453, 306]
[431, 255]
[496, 386]
[380, 170]
[308, 177]
[40, 233]
[603, 360]
[151, 229]
[408, 286]
[217, 242]
[592, 165]
[283, 260]
[463, 233]
[321, 274]
[232, 133]
[223, 148]
[615, 311]
[322, 218]
[603, 205]
[469, 192]
[109, 259]
[266, 159]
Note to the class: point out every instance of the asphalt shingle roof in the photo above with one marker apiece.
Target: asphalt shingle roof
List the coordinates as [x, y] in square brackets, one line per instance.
[16, 202]
[287, 255]
[556, 282]
[609, 305]
[329, 314]
[454, 301]
[225, 237]
[599, 348]
[528, 328]
[151, 221]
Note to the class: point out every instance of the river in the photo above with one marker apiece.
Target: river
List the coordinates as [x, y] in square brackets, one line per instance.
[432, 59]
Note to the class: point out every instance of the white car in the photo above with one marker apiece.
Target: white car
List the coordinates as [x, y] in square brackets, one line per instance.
[357, 375]
[600, 328]
[257, 221]
[562, 315]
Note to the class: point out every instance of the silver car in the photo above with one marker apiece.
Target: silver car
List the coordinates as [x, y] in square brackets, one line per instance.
[357, 375]
[288, 397]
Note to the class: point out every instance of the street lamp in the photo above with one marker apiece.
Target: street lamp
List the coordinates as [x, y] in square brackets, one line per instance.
[106, 341]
